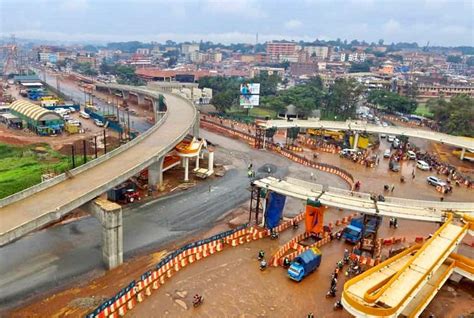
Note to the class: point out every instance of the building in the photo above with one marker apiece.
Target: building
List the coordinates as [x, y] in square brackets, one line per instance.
[215, 57]
[143, 51]
[255, 71]
[320, 52]
[36, 118]
[187, 49]
[427, 91]
[357, 56]
[179, 75]
[281, 51]
[300, 69]
[199, 57]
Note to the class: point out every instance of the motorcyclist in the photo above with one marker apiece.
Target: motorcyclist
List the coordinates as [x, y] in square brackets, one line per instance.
[346, 256]
[263, 264]
[286, 262]
[261, 254]
[197, 300]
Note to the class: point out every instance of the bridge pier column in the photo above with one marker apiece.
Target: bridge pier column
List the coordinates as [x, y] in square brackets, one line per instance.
[356, 141]
[186, 169]
[155, 174]
[109, 215]
[210, 162]
[463, 153]
[196, 127]
[141, 99]
[125, 95]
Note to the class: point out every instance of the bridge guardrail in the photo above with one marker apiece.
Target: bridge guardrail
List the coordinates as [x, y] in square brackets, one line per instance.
[53, 181]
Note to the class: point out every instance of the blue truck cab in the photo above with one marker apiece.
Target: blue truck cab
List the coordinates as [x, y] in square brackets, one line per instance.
[352, 233]
[304, 264]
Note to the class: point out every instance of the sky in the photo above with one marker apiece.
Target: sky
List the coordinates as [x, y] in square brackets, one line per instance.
[442, 22]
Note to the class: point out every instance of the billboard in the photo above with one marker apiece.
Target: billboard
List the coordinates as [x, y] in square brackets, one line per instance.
[249, 95]
[248, 101]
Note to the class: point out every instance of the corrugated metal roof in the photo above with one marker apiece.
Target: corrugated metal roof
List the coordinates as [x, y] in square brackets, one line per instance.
[30, 110]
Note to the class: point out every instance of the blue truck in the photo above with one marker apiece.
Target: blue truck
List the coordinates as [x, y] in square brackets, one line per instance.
[304, 264]
[353, 232]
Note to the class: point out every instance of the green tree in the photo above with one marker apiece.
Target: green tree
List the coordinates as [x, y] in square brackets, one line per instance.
[454, 59]
[223, 101]
[359, 67]
[456, 116]
[342, 98]
[392, 102]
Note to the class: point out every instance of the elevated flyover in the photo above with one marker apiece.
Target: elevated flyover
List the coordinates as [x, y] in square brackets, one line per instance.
[361, 127]
[406, 283]
[421, 210]
[37, 206]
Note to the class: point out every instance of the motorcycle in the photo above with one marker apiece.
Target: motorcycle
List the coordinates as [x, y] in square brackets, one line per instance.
[274, 235]
[331, 292]
[263, 265]
[337, 305]
[198, 300]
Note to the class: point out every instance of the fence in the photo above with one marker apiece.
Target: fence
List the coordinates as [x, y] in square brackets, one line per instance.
[134, 292]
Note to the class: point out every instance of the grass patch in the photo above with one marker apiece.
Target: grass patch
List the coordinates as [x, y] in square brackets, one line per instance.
[22, 167]
[254, 112]
[423, 110]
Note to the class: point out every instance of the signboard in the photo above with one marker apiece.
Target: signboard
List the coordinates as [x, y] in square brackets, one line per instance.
[249, 95]
[249, 101]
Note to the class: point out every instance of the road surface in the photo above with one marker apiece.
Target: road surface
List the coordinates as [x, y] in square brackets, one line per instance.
[76, 94]
[55, 256]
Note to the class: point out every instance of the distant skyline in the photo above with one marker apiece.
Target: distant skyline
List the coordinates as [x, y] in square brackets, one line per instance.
[442, 22]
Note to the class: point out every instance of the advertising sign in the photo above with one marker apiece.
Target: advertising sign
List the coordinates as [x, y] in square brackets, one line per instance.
[249, 95]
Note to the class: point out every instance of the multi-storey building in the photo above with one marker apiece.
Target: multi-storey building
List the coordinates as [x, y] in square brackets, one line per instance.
[282, 51]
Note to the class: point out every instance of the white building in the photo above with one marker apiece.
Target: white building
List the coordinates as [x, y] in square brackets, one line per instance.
[187, 49]
[321, 52]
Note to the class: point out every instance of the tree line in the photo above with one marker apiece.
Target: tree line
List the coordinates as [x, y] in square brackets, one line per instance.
[338, 101]
[455, 117]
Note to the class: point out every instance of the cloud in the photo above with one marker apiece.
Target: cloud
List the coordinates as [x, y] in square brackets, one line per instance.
[242, 8]
[392, 26]
[293, 24]
[74, 5]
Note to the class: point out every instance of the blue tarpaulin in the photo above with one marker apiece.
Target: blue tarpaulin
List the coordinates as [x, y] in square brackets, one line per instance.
[276, 203]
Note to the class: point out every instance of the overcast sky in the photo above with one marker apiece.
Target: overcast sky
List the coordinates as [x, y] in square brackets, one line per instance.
[442, 22]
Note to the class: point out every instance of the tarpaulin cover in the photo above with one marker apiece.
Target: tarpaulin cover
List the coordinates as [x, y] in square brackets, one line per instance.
[276, 203]
[314, 218]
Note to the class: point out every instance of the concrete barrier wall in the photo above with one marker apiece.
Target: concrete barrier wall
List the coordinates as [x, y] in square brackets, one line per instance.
[51, 216]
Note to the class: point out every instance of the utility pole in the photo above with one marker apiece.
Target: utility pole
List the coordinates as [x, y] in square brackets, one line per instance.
[73, 155]
[95, 146]
[84, 150]
[105, 142]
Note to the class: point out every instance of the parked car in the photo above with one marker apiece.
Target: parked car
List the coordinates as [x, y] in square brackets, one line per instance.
[384, 124]
[390, 138]
[435, 181]
[411, 155]
[72, 109]
[394, 166]
[387, 153]
[66, 117]
[422, 165]
[347, 151]
[85, 115]
[74, 122]
[98, 123]
[383, 135]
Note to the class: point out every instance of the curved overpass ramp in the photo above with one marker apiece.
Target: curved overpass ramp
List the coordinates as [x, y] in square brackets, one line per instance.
[35, 207]
[406, 283]
[359, 126]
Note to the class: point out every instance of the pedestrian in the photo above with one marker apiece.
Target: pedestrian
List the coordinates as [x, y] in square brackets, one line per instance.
[312, 176]
[393, 188]
[441, 199]
[378, 161]
[413, 174]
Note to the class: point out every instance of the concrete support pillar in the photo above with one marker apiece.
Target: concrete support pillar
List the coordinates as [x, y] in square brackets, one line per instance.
[155, 174]
[210, 162]
[356, 141]
[186, 169]
[141, 99]
[109, 215]
[463, 153]
[125, 95]
[154, 104]
[197, 162]
[196, 127]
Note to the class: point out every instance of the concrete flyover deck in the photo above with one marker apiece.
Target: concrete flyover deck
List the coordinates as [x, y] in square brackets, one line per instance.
[37, 206]
[432, 211]
[407, 282]
[360, 126]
